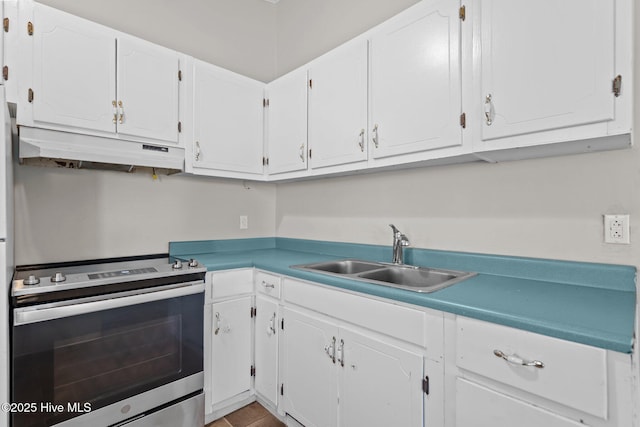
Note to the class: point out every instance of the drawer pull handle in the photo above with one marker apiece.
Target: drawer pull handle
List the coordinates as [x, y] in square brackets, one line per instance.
[513, 359]
[268, 285]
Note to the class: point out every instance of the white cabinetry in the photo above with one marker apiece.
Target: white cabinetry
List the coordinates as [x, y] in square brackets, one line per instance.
[415, 80]
[267, 333]
[511, 377]
[230, 335]
[228, 123]
[338, 106]
[287, 123]
[87, 78]
[550, 77]
[377, 378]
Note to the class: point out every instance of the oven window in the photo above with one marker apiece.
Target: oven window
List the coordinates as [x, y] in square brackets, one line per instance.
[90, 365]
[106, 356]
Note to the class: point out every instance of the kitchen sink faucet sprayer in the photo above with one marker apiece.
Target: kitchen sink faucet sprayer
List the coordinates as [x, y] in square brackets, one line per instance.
[399, 241]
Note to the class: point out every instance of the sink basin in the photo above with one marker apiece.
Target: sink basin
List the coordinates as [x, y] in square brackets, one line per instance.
[417, 279]
[344, 266]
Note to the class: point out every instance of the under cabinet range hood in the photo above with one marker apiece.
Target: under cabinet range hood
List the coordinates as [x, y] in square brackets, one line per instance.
[37, 146]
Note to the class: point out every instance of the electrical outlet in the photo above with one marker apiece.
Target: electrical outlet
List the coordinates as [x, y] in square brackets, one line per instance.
[616, 229]
[244, 222]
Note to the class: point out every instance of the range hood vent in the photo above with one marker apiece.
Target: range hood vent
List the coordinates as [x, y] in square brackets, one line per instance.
[63, 149]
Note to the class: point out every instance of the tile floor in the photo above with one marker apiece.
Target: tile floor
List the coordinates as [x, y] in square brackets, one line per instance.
[252, 415]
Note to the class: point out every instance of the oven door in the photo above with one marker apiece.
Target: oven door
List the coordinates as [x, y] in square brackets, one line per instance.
[107, 358]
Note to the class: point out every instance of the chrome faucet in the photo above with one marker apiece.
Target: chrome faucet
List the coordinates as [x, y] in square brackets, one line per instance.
[399, 241]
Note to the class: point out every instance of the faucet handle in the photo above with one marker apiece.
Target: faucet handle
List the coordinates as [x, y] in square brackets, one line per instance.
[393, 227]
[404, 241]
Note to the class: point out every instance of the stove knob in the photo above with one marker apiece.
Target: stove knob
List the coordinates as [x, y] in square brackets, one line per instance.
[177, 265]
[58, 277]
[193, 263]
[31, 280]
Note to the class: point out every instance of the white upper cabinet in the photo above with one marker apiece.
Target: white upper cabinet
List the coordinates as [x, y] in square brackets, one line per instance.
[546, 66]
[148, 84]
[415, 80]
[74, 72]
[287, 122]
[228, 122]
[87, 78]
[338, 106]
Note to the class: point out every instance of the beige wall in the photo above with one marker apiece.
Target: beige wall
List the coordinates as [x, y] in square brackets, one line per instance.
[65, 215]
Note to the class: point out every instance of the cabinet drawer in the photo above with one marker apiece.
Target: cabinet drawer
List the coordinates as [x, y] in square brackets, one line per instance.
[479, 406]
[386, 318]
[231, 282]
[574, 374]
[267, 284]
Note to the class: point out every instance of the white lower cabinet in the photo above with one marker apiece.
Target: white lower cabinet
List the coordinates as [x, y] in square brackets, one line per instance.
[267, 337]
[338, 373]
[507, 377]
[228, 340]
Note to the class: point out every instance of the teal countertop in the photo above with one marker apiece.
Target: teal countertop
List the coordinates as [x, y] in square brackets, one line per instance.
[589, 303]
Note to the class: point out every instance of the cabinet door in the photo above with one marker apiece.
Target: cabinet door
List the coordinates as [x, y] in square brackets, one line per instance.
[228, 120]
[381, 384]
[338, 106]
[309, 373]
[74, 81]
[147, 90]
[231, 348]
[415, 95]
[480, 406]
[287, 118]
[266, 341]
[545, 64]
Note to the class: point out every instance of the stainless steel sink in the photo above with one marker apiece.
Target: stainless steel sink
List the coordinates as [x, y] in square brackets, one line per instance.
[345, 266]
[417, 279]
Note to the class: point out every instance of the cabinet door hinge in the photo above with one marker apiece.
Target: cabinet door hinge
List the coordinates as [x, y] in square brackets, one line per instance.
[617, 85]
[179, 75]
[425, 385]
[462, 13]
[310, 83]
[265, 161]
[253, 371]
[282, 389]
[30, 95]
[5, 24]
[254, 312]
[5, 72]
[463, 120]
[309, 152]
[282, 323]
[179, 127]
[265, 102]
[30, 28]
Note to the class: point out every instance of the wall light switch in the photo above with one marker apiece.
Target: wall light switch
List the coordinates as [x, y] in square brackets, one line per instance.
[244, 222]
[616, 229]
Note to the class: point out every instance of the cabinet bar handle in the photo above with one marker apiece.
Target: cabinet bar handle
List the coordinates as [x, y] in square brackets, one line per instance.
[302, 153]
[197, 153]
[115, 111]
[375, 136]
[488, 110]
[361, 140]
[515, 360]
[121, 120]
[268, 285]
[217, 324]
[331, 350]
[341, 353]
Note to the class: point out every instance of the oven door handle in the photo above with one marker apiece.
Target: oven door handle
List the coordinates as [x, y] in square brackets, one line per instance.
[27, 315]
